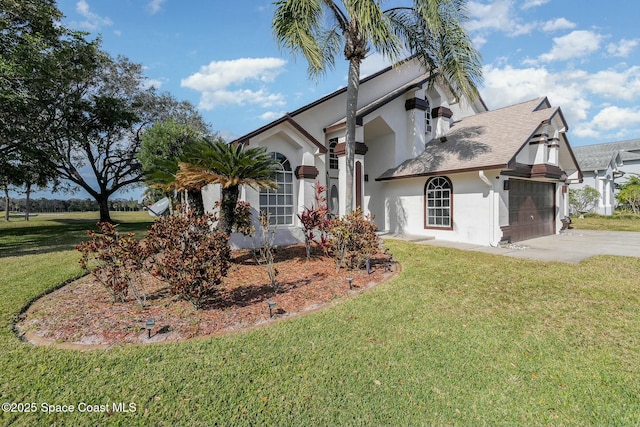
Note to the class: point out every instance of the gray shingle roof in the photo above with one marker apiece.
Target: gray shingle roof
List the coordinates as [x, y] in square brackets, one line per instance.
[598, 156]
[482, 141]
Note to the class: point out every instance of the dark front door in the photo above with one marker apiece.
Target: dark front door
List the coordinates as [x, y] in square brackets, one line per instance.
[532, 209]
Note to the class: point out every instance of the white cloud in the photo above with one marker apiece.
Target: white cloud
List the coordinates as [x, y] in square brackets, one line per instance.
[155, 6]
[528, 4]
[615, 85]
[497, 16]
[271, 115]
[215, 79]
[92, 21]
[612, 123]
[576, 44]
[492, 16]
[221, 74]
[557, 24]
[623, 48]
[152, 83]
[577, 92]
[261, 98]
[479, 41]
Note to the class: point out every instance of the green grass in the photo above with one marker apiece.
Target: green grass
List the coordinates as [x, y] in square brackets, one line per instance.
[616, 222]
[459, 338]
[46, 233]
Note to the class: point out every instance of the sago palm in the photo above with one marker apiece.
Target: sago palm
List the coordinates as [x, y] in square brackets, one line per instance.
[216, 162]
[432, 30]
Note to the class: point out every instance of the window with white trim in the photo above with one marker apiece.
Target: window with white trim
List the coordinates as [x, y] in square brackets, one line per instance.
[333, 159]
[438, 200]
[427, 118]
[278, 203]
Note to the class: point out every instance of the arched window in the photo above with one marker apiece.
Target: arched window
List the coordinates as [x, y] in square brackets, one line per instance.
[438, 196]
[278, 203]
[333, 159]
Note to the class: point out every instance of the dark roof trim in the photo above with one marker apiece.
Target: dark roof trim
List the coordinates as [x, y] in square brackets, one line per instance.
[379, 103]
[307, 107]
[288, 119]
[445, 172]
[547, 121]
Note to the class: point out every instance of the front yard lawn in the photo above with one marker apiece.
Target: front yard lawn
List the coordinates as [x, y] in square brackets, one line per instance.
[616, 222]
[457, 338]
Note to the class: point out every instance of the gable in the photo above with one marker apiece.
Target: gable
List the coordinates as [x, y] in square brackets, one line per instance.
[489, 140]
[327, 114]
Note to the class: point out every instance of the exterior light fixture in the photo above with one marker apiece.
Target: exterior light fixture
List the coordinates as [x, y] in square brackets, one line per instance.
[350, 280]
[368, 266]
[149, 326]
[272, 306]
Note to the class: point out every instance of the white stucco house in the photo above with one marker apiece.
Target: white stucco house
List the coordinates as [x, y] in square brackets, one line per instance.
[427, 164]
[604, 166]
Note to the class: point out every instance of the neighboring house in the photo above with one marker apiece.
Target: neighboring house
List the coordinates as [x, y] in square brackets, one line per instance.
[426, 163]
[605, 165]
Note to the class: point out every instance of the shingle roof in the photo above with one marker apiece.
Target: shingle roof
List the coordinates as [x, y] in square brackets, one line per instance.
[482, 141]
[598, 156]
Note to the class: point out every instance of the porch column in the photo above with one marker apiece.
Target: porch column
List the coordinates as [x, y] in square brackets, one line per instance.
[358, 179]
[306, 174]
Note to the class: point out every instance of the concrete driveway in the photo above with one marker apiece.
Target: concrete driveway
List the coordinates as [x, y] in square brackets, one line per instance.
[572, 246]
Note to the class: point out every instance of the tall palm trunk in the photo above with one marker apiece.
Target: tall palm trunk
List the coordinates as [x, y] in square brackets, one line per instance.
[227, 208]
[353, 85]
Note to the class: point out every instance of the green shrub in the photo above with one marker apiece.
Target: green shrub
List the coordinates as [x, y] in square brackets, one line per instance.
[353, 240]
[264, 248]
[190, 255]
[584, 199]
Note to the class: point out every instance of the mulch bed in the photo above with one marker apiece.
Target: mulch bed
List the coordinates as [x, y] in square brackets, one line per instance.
[82, 314]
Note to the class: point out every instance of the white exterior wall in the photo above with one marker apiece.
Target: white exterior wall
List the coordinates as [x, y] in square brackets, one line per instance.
[472, 208]
[598, 179]
[393, 135]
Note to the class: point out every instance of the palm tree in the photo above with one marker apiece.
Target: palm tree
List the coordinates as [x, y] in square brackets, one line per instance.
[430, 30]
[216, 162]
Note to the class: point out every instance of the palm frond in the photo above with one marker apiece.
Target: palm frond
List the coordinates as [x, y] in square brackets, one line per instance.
[162, 175]
[209, 162]
[296, 25]
[433, 30]
[375, 26]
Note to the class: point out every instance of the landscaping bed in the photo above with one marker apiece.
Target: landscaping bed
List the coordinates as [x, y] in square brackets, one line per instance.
[82, 314]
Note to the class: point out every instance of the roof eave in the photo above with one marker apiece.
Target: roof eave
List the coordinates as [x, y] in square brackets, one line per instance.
[443, 172]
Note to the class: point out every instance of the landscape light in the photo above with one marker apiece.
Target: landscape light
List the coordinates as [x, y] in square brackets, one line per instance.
[149, 325]
[350, 280]
[272, 305]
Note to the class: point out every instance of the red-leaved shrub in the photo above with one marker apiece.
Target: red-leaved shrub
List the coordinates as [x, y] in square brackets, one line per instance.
[315, 220]
[190, 255]
[353, 240]
[118, 260]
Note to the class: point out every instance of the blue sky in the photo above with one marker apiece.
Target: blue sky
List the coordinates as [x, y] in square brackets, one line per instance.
[221, 55]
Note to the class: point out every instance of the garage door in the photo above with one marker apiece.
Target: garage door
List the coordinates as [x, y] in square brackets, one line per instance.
[532, 209]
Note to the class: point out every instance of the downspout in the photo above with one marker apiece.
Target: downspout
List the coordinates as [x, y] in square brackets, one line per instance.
[493, 217]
